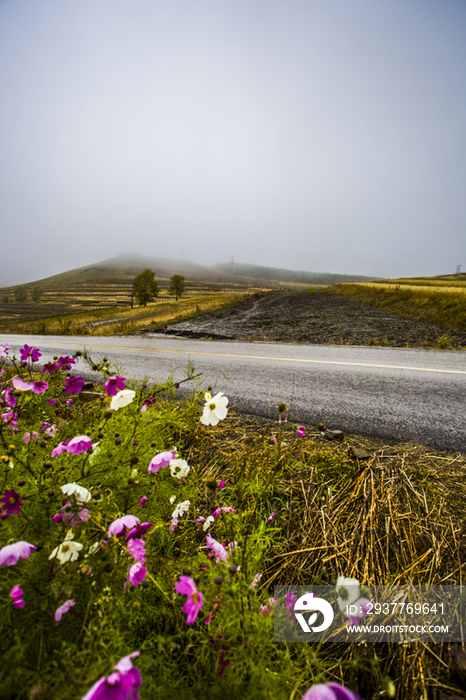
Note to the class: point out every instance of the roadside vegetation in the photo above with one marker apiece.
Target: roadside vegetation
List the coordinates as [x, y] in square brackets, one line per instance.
[142, 535]
[437, 300]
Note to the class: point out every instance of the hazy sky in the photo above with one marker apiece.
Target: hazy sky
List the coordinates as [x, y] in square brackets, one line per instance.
[320, 135]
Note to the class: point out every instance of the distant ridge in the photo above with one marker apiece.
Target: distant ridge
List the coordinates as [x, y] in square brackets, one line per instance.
[126, 266]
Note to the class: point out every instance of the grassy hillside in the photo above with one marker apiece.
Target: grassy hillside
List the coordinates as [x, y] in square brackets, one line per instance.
[437, 300]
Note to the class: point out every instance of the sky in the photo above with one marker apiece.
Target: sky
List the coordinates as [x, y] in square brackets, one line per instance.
[317, 135]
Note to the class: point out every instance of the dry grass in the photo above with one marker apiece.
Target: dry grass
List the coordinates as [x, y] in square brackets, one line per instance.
[396, 517]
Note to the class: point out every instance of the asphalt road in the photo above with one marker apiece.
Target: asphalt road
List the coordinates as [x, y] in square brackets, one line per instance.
[394, 394]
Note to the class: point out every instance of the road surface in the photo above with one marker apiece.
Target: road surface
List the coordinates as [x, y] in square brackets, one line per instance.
[394, 394]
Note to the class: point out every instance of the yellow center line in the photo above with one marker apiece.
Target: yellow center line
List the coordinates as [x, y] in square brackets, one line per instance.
[263, 357]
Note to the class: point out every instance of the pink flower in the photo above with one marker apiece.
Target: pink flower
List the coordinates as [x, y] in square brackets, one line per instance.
[137, 549]
[138, 531]
[122, 684]
[12, 503]
[39, 386]
[18, 383]
[363, 606]
[74, 385]
[72, 519]
[162, 459]
[119, 526]
[51, 431]
[27, 352]
[194, 602]
[78, 444]
[209, 617]
[16, 594]
[147, 403]
[10, 398]
[255, 580]
[173, 524]
[11, 553]
[142, 500]
[10, 418]
[221, 485]
[329, 691]
[290, 600]
[61, 447]
[218, 549]
[31, 436]
[267, 609]
[301, 431]
[136, 574]
[114, 384]
[225, 509]
[59, 612]
[271, 517]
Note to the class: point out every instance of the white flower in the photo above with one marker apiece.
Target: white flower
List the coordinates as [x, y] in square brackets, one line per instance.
[215, 409]
[95, 452]
[172, 499]
[123, 398]
[347, 590]
[67, 550]
[207, 396]
[208, 522]
[181, 509]
[179, 468]
[82, 494]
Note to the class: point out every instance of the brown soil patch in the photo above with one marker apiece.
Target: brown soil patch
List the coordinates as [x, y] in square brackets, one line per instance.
[322, 317]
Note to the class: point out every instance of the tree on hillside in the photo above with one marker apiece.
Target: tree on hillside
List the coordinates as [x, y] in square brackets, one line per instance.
[21, 294]
[37, 293]
[145, 287]
[176, 286]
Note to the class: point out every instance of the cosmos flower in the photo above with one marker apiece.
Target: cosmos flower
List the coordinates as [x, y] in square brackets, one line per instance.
[11, 503]
[61, 447]
[67, 550]
[181, 509]
[138, 531]
[179, 468]
[218, 549]
[173, 524]
[27, 352]
[16, 594]
[162, 459]
[74, 385]
[136, 574]
[28, 437]
[121, 399]
[122, 684]
[82, 494]
[215, 409]
[119, 526]
[21, 385]
[271, 517]
[59, 612]
[72, 519]
[114, 384]
[10, 418]
[225, 509]
[11, 553]
[137, 549]
[255, 580]
[194, 602]
[329, 691]
[301, 431]
[142, 500]
[10, 398]
[80, 443]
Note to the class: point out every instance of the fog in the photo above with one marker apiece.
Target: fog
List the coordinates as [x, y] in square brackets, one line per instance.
[318, 135]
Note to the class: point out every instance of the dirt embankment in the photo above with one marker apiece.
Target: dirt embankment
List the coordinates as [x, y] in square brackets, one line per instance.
[321, 317]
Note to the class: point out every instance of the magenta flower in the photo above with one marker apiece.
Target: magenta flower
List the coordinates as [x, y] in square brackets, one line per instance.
[20, 384]
[221, 485]
[218, 549]
[137, 549]
[329, 691]
[194, 602]
[72, 519]
[10, 398]
[147, 403]
[119, 526]
[61, 447]
[39, 386]
[225, 509]
[363, 605]
[142, 500]
[173, 524]
[28, 437]
[271, 517]
[11, 553]
[138, 531]
[10, 418]
[27, 352]
[290, 600]
[162, 459]
[59, 612]
[16, 594]
[301, 431]
[114, 384]
[78, 444]
[136, 574]
[12, 503]
[209, 617]
[52, 402]
[74, 385]
[122, 684]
